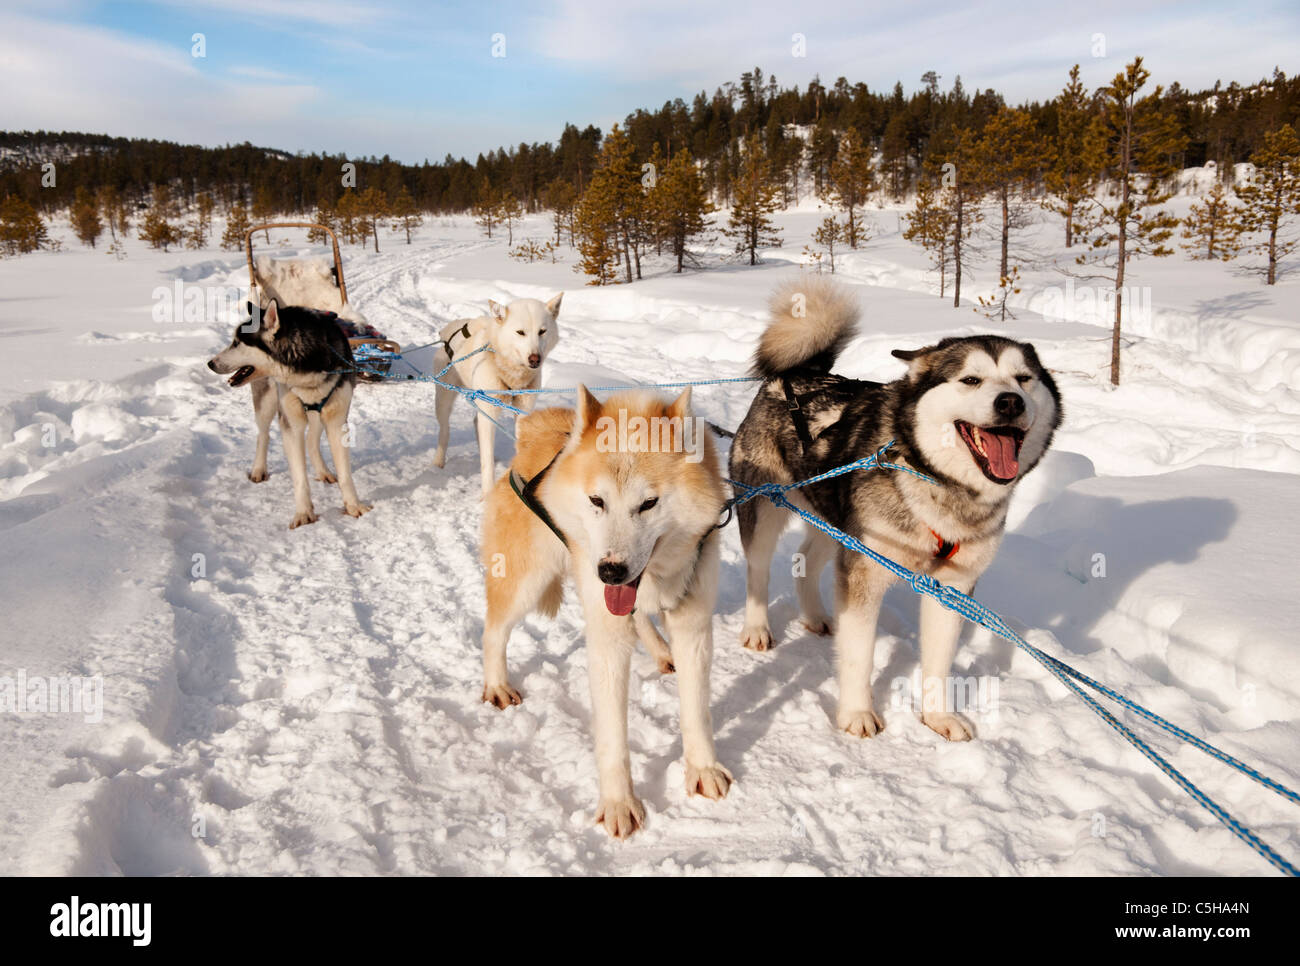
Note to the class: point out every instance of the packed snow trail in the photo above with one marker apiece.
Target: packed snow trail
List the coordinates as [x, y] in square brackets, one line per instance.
[307, 701]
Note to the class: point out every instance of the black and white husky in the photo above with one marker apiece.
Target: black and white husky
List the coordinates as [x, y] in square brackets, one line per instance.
[975, 414]
[300, 358]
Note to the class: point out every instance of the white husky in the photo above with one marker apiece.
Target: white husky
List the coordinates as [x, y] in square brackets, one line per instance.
[519, 337]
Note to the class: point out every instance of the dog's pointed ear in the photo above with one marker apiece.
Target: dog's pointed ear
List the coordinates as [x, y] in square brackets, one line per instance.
[271, 317]
[498, 311]
[589, 410]
[681, 406]
[553, 306]
[915, 358]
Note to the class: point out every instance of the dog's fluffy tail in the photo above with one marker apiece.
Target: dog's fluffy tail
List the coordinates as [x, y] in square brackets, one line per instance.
[812, 319]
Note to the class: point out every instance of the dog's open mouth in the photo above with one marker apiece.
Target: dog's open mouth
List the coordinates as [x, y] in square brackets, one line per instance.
[620, 599]
[241, 376]
[995, 449]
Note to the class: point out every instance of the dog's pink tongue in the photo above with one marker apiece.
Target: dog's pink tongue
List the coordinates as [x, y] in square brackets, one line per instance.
[620, 598]
[1001, 451]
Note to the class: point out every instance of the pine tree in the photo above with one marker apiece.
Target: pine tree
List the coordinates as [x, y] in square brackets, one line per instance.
[237, 225]
[509, 211]
[324, 216]
[372, 208]
[1007, 166]
[893, 155]
[851, 180]
[1207, 229]
[1076, 154]
[85, 218]
[406, 216]
[612, 209]
[824, 238]
[21, 227]
[198, 228]
[348, 212]
[157, 228]
[1138, 140]
[486, 207]
[930, 225]
[264, 208]
[681, 205]
[562, 198]
[114, 208]
[1270, 200]
[963, 192]
[753, 201]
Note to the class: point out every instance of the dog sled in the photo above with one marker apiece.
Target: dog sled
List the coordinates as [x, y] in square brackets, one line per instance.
[318, 283]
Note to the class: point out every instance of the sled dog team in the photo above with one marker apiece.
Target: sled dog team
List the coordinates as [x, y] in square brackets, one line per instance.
[635, 525]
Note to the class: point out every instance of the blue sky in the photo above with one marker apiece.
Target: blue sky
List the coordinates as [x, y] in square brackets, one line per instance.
[418, 80]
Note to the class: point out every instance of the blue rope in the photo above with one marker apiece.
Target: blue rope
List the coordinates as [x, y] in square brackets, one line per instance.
[971, 609]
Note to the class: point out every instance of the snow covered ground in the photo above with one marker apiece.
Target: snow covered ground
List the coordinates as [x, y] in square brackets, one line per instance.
[308, 701]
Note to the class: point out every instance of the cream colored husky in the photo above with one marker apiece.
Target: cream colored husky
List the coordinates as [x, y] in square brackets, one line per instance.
[631, 516]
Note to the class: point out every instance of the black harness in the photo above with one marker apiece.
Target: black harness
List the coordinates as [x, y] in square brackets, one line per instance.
[318, 406]
[527, 493]
[792, 404]
[463, 332]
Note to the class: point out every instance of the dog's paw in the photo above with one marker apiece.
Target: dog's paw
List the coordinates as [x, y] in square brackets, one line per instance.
[357, 509]
[325, 476]
[302, 519]
[258, 475]
[949, 725]
[712, 781]
[440, 460]
[757, 638]
[621, 817]
[863, 724]
[821, 626]
[501, 696]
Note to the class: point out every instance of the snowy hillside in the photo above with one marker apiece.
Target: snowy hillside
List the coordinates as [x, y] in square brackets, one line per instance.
[308, 701]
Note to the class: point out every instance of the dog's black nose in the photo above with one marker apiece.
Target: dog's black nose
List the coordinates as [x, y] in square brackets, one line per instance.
[534, 360]
[1009, 405]
[212, 365]
[612, 573]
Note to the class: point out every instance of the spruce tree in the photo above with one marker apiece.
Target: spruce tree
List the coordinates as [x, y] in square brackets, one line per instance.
[1270, 200]
[1138, 140]
[753, 200]
[1075, 166]
[1207, 229]
[85, 218]
[486, 207]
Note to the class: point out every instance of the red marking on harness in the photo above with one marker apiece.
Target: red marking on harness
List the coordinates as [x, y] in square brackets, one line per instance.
[945, 550]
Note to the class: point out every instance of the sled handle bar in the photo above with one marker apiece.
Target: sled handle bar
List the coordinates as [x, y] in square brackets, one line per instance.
[334, 239]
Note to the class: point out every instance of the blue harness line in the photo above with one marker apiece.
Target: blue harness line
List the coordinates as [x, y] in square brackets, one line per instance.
[975, 612]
